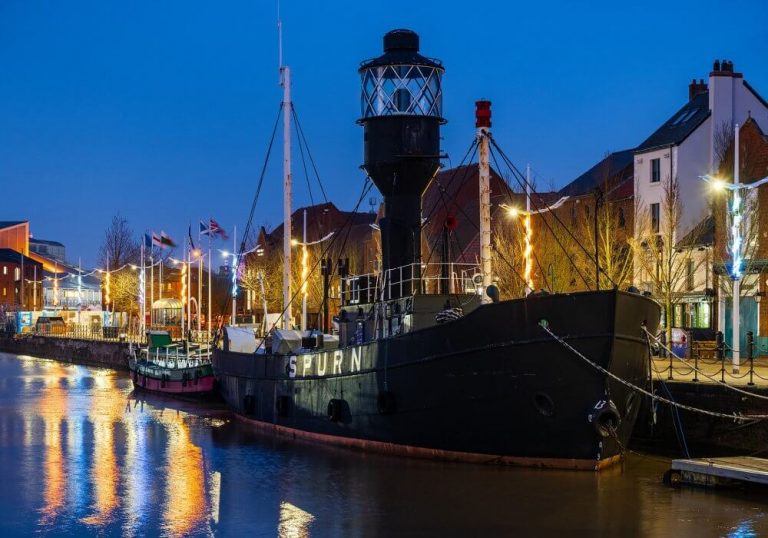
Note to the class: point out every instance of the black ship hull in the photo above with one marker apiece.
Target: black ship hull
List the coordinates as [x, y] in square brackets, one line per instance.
[492, 386]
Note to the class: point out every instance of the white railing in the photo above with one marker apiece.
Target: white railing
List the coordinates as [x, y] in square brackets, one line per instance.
[424, 279]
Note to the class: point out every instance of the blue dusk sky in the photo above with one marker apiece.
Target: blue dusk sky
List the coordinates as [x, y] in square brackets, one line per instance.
[162, 111]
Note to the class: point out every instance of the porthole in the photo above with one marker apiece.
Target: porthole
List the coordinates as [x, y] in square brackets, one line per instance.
[544, 404]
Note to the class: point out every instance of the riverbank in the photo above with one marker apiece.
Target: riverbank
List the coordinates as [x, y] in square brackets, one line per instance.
[71, 350]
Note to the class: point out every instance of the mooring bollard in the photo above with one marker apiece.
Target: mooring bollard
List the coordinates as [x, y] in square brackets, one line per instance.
[750, 355]
[721, 353]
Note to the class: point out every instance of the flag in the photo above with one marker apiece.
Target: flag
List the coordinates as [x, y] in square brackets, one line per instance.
[148, 241]
[191, 243]
[215, 229]
[166, 241]
[204, 230]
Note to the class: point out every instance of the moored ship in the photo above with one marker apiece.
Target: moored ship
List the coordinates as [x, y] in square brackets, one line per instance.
[424, 364]
[171, 367]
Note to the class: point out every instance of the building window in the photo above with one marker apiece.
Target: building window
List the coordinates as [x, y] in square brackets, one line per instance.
[622, 218]
[655, 218]
[16, 273]
[573, 215]
[5, 292]
[5, 269]
[655, 170]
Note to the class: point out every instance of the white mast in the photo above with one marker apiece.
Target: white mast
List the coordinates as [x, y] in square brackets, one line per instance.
[285, 82]
[483, 125]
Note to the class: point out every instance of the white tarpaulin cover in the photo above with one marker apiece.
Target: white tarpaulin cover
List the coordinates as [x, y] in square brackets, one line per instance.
[242, 339]
[285, 341]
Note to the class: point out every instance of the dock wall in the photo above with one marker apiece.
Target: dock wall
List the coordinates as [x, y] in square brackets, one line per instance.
[704, 435]
[87, 352]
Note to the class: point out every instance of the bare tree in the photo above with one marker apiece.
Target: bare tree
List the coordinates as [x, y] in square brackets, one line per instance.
[723, 142]
[614, 254]
[665, 264]
[120, 246]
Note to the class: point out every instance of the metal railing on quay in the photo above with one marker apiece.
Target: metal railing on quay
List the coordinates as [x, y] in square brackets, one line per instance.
[709, 362]
[88, 332]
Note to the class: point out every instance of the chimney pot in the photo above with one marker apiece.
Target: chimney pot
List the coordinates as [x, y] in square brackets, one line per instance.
[716, 66]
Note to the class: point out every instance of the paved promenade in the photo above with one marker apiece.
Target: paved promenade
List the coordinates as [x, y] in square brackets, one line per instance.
[712, 371]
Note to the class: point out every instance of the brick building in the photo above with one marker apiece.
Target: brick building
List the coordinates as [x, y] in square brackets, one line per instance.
[20, 278]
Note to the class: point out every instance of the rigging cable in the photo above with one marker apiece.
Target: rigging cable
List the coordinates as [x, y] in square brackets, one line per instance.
[519, 177]
[253, 208]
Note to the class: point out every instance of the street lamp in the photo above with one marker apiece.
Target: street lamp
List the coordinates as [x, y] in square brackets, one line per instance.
[515, 212]
[305, 268]
[735, 210]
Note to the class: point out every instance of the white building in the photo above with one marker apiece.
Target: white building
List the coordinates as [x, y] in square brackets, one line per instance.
[685, 146]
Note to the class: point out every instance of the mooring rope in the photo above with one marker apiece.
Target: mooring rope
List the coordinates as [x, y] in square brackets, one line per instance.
[735, 417]
[710, 377]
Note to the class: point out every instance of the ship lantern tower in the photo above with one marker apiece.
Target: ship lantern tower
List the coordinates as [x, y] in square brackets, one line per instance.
[402, 110]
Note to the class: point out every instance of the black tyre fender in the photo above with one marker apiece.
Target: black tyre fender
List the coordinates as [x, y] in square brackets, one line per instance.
[335, 408]
[604, 417]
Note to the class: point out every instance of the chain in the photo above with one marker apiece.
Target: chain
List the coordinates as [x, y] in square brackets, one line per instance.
[735, 417]
[710, 377]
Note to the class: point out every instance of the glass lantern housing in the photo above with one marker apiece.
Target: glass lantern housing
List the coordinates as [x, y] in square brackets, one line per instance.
[390, 90]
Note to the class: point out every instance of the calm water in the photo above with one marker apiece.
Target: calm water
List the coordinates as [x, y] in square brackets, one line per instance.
[81, 455]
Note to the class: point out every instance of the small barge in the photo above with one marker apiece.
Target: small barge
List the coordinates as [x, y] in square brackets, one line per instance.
[171, 367]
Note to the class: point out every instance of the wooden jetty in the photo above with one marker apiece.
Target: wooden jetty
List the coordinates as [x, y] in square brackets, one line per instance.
[713, 472]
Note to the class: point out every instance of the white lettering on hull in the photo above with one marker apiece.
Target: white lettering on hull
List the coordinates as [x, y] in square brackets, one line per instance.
[320, 366]
[357, 354]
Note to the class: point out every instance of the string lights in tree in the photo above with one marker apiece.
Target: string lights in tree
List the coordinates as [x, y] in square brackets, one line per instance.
[183, 283]
[528, 252]
[107, 289]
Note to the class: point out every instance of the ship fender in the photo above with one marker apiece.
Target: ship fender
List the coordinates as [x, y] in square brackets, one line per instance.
[604, 417]
[335, 409]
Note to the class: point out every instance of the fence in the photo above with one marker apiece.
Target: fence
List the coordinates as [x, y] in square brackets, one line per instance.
[709, 362]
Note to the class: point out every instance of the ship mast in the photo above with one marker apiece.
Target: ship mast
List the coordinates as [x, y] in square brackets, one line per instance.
[285, 82]
[483, 125]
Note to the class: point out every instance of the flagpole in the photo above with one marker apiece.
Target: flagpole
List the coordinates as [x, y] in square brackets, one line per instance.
[182, 296]
[199, 279]
[210, 266]
[189, 287]
[151, 279]
[234, 274]
[142, 300]
[160, 277]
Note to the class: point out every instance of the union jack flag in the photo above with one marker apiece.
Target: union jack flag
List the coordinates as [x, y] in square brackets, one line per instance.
[213, 229]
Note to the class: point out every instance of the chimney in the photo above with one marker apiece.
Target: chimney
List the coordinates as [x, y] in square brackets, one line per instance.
[716, 66]
[695, 88]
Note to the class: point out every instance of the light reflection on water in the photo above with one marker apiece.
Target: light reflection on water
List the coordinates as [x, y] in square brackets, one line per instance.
[82, 456]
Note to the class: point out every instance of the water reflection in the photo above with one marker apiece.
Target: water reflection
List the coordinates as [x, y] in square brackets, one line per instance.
[106, 412]
[52, 409]
[294, 522]
[184, 476]
[83, 456]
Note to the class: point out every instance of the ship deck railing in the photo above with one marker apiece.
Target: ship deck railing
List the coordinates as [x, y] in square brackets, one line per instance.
[194, 355]
[413, 279]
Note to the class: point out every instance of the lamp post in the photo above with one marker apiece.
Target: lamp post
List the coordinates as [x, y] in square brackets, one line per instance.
[514, 212]
[305, 268]
[735, 210]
